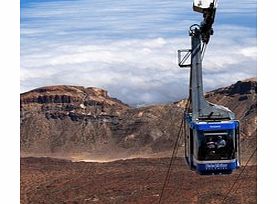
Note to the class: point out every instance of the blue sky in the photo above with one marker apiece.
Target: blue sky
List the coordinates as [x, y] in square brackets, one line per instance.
[129, 47]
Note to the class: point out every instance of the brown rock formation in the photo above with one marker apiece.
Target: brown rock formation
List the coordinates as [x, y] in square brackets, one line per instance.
[67, 120]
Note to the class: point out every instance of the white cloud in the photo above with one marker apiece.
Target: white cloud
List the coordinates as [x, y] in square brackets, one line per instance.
[250, 52]
[142, 66]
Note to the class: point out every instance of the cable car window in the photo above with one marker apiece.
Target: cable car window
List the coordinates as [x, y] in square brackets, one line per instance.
[216, 145]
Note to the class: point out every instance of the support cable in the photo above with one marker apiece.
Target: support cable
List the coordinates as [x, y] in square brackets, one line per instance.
[239, 184]
[236, 180]
[175, 150]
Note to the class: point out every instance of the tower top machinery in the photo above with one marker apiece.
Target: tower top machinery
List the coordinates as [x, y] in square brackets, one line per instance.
[212, 132]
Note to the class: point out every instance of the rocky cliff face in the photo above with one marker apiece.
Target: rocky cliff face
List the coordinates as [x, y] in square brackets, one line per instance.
[73, 120]
[61, 119]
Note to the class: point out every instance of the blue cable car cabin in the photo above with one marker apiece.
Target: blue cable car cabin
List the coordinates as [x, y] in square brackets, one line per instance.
[212, 147]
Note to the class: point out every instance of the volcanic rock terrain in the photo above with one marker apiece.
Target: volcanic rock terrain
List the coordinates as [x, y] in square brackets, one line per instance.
[86, 123]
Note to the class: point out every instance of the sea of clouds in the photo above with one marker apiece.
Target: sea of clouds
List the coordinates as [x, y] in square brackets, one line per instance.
[130, 47]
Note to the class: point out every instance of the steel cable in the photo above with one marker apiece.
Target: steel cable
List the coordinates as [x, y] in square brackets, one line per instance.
[236, 180]
[175, 150]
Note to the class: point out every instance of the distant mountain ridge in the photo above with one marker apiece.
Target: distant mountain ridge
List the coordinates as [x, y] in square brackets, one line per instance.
[73, 120]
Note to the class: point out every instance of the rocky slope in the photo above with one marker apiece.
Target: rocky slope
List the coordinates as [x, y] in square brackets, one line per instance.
[87, 123]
